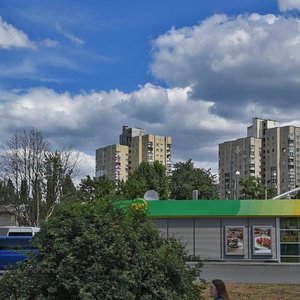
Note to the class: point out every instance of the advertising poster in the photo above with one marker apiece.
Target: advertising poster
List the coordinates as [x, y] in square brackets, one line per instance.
[262, 240]
[234, 240]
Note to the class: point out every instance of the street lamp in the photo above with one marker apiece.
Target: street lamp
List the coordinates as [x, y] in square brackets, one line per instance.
[266, 181]
[237, 173]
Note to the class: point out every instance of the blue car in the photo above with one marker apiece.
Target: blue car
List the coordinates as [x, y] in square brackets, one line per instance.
[14, 249]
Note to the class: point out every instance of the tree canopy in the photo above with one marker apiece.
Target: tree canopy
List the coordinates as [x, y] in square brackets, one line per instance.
[253, 188]
[91, 189]
[147, 177]
[186, 178]
[99, 251]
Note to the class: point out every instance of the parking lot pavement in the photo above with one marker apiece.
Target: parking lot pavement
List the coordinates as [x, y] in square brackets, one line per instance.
[232, 272]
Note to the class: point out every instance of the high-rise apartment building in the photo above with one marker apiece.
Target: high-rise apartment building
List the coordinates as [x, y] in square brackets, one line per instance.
[112, 161]
[128, 133]
[150, 148]
[118, 161]
[269, 152]
[238, 159]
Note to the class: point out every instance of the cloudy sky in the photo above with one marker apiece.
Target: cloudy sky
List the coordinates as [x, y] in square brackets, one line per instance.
[194, 70]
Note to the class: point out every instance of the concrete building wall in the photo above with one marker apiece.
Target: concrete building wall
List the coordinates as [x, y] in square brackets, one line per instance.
[127, 134]
[7, 218]
[150, 148]
[274, 157]
[135, 153]
[238, 159]
[112, 161]
[282, 166]
[259, 126]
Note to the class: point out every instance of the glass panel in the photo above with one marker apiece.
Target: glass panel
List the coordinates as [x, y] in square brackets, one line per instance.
[290, 259]
[289, 223]
[18, 233]
[290, 236]
[290, 249]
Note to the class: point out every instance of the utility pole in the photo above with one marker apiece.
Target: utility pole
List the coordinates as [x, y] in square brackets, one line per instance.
[237, 173]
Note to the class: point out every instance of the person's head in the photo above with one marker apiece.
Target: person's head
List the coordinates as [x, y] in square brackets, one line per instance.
[218, 288]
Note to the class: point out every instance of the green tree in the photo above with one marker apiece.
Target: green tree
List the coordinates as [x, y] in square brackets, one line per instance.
[99, 251]
[186, 178]
[92, 189]
[147, 177]
[253, 188]
[68, 187]
[10, 196]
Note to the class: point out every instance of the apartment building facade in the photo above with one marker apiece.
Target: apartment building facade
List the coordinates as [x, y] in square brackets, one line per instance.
[269, 152]
[238, 159]
[150, 148]
[112, 161]
[119, 160]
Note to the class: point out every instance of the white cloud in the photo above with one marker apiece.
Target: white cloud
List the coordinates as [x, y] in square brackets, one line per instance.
[43, 106]
[89, 120]
[10, 37]
[86, 166]
[70, 36]
[49, 43]
[285, 5]
[235, 61]
[25, 68]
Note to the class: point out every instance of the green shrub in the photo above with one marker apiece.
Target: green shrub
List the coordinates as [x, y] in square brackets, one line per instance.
[99, 251]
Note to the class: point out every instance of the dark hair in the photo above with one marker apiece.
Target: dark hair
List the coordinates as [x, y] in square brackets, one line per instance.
[221, 288]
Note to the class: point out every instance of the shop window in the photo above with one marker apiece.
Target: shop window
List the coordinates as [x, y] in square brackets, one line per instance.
[290, 249]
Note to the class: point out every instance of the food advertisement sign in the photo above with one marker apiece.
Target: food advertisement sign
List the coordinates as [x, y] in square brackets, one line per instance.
[234, 240]
[262, 240]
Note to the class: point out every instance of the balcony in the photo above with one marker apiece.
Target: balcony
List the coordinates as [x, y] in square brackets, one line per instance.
[251, 167]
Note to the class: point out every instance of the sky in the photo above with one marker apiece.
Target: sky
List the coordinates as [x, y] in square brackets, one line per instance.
[197, 71]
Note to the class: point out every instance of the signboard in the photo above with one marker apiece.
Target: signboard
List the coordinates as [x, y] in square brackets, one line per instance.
[139, 204]
[234, 240]
[262, 240]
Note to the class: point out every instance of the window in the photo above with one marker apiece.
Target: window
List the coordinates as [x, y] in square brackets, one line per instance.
[290, 239]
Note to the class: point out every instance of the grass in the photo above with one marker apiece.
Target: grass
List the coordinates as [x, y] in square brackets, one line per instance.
[243, 291]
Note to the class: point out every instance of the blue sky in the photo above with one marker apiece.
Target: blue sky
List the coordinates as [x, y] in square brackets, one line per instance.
[113, 46]
[195, 70]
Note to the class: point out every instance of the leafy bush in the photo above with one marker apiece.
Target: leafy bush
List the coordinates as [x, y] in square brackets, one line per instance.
[100, 251]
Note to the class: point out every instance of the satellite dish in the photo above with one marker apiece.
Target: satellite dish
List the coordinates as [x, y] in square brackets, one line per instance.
[151, 195]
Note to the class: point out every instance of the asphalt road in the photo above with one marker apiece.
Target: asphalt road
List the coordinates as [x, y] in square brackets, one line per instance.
[233, 272]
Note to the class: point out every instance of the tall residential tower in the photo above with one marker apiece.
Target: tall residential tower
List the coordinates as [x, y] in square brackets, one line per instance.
[269, 152]
[119, 160]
